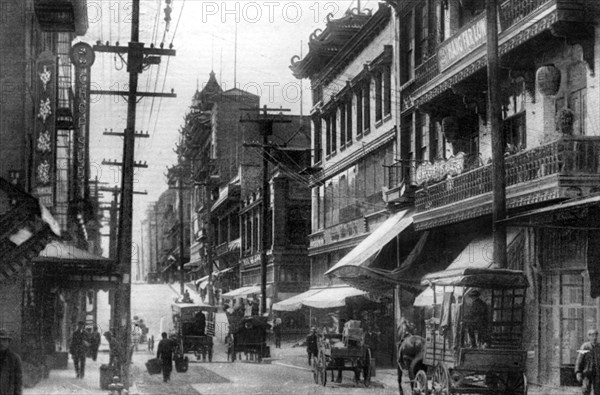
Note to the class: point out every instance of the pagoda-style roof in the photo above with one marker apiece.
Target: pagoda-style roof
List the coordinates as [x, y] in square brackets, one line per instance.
[202, 99]
[327, 45]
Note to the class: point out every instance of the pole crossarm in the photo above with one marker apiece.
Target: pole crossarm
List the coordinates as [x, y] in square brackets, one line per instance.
[126, 93]
[125, 49]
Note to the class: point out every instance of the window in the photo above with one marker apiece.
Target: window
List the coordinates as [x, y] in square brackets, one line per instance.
[407, 48]
[333, 132]
[367, 107]
[327, 136]
[378, 97]
[359, 113]
[433, 141]
[513, 130]
[420, 147]
[420, 33]
[387, 91]
[342, 125]
[318, 136]
[349, 119]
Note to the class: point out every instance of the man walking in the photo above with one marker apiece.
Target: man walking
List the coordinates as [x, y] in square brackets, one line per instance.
[94, 342]
[587, 367]
[11, 371]
[165, 354]
[78, 349]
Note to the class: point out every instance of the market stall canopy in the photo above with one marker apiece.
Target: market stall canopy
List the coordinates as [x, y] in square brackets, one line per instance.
[295, 302]
[245, 291]
[332, 297]
[478, 277]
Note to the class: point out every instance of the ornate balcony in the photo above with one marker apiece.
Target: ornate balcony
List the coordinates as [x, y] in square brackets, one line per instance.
[520, 20]
[565, 168]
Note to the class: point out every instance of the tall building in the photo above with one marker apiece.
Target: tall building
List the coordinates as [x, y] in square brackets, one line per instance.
[548, 94]
[50, 266]
[352, 66]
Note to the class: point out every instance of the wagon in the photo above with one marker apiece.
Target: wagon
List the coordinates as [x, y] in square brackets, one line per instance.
[463, 357]
[189, 334]
[338, 353]
[250, 337]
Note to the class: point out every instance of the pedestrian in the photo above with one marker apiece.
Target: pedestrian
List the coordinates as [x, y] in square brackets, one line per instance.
[11, 370]
[587, 367]
[78, 349]
[312, 345]
[151, 343]
[94, 342]
[165, 354]
[115, 356]
[277, 332]
[254, 309]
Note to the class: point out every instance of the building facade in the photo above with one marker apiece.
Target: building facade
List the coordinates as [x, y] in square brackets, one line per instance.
[548, 92]
[353, 70]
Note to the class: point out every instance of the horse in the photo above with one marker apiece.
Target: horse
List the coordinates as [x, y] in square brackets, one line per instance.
[411, 349]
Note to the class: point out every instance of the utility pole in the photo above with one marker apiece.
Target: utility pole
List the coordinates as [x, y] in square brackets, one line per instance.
[265, 122]
[181, 231]
[495, 120]
[138, 58]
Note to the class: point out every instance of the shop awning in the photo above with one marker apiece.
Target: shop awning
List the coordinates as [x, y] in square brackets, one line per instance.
[361, 258]
[26, 226]
[475, 257]
[74, 267]
[295, 302]
[245, 291]
[332, 297]
[570, 213]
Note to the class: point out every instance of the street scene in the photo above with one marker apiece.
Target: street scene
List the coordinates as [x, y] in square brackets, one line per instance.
[299, 197]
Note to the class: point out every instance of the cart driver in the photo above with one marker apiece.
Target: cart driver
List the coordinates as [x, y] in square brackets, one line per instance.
[475, 319]
[200, 323]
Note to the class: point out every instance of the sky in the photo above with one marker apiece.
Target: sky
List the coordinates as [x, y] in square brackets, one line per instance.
[269, 34]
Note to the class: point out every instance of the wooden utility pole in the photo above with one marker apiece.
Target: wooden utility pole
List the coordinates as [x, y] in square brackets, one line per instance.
[181, 232]
[138, 58]
[265, 122]
[495, 121]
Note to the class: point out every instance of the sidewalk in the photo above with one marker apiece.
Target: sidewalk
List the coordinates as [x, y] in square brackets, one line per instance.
[64, 382]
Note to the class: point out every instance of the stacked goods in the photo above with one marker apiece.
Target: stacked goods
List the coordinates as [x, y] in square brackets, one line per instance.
[353, 333]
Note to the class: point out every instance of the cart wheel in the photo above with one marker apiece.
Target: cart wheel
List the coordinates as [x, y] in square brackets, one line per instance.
[323, 369]
[441, 380]
[419, 386]
[367, 368]
[507, 383]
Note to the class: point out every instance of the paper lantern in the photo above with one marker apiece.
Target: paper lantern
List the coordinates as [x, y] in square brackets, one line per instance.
[548, 80]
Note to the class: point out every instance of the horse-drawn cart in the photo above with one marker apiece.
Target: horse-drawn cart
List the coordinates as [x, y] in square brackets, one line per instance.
[473, 342]
[249, 337]
[338, 352]
[194, 329]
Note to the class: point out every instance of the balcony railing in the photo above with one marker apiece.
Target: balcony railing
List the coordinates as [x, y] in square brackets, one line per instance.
[569, 156]
[511, 13]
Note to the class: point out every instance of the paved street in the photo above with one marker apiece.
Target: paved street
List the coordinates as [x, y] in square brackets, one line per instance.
[285, 373]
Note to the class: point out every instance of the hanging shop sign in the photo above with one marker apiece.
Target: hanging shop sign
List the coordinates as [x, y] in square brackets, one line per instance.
[439, 170]
[45, 128]
[82, 56]
[461, 44]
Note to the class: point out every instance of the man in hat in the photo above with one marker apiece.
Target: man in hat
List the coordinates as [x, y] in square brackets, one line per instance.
[312, 347]
[475, 319]
[78, 349]
[587, 367]
[11, 371]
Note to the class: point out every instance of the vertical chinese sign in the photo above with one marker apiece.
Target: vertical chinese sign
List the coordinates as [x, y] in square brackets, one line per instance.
[82, 56]
[45, 128]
